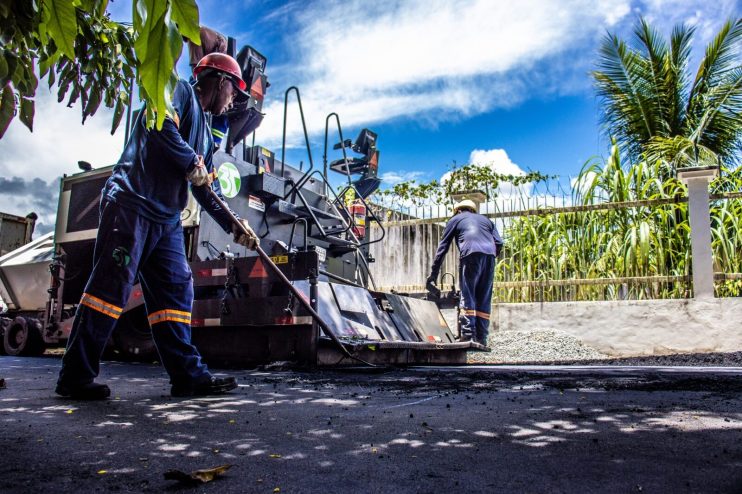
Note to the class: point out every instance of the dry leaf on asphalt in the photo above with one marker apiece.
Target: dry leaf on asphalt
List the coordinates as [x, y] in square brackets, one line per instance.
[197, 476]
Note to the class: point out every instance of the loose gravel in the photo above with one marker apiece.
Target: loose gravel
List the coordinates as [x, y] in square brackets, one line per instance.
[534, 346]
[550, 346]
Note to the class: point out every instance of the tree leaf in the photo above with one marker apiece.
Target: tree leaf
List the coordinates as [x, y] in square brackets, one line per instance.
[92, 104]
[62, 25]
[118, 112]
[149, 16]
[46, 62]
[7, 108]
[3, 66]
[156, 73]
[185, 14]
[27, 112]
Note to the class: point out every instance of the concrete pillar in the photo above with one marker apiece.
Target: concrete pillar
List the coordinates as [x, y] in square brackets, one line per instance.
[697, 180]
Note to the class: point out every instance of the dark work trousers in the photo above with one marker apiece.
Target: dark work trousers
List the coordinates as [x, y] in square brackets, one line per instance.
[129, 245]
[476, 272]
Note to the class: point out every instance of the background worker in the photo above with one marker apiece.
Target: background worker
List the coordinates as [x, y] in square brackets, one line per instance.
[140, 238]
[479, 243]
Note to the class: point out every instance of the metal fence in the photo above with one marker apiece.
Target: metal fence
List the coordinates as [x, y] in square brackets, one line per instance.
[556, 251]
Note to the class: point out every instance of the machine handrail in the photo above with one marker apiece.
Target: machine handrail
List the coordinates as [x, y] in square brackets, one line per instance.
[337, 201]
[368, 211]
[304, 127]
[342, 145]
[293, 229]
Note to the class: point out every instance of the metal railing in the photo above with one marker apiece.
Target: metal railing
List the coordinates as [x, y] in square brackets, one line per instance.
[578, 263]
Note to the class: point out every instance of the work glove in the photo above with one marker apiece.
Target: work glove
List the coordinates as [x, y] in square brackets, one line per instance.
[249, 240]
[199, 175]
[432, 289]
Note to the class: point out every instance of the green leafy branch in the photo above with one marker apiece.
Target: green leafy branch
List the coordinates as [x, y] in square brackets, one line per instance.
[90, 57]
[464, 178]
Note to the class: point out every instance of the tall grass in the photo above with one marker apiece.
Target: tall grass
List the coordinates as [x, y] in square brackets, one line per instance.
[622, 242]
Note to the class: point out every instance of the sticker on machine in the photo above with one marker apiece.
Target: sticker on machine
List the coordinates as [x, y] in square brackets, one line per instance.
[255, 203]
[321, 253]
[229, 179]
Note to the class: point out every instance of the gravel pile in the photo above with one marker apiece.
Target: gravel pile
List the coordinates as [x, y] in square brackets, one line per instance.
[549, 346]
[534, 346]
[552, 347]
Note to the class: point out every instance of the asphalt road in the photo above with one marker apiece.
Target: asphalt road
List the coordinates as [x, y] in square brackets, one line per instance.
[477, 429]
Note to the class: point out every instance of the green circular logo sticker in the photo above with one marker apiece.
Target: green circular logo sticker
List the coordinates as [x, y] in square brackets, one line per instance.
[229, 179]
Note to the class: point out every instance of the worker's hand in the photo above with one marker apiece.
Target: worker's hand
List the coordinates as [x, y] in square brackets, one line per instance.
[249, 239]
[199, 175]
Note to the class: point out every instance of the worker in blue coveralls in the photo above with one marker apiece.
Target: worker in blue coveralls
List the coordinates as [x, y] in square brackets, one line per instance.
[479, 243]
[140, 238]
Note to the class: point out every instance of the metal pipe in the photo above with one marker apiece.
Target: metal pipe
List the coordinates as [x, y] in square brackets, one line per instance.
[340, 278]
[128, 112]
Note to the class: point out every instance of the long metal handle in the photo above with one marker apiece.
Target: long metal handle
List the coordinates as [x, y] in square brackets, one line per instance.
[299, 296]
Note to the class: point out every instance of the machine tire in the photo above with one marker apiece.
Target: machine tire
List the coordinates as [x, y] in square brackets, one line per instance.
[132, 337]
[23, 337]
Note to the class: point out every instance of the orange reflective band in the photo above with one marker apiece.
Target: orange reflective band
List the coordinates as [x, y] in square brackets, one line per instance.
[483, 315]
[468, 312]
[100, 306]
[169, 315]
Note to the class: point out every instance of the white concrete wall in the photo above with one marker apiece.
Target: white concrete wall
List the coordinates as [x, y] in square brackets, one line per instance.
[634, 328]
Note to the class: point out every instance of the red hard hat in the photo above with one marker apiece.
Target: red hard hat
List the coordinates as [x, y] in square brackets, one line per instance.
[221, 62]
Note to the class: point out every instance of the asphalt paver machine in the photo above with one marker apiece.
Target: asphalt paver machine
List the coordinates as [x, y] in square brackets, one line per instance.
[245, 313]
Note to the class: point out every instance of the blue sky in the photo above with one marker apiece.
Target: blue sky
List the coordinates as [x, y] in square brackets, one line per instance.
[504, 82]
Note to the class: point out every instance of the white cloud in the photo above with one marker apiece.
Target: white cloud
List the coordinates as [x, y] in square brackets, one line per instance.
[436, 60]
[499, 161]
[393, 178]
[56, 144]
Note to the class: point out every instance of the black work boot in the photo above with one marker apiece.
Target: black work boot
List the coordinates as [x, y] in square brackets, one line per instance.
[209, 386]
[89, 391]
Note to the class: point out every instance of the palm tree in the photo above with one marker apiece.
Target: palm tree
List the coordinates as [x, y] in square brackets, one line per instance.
[652, 107]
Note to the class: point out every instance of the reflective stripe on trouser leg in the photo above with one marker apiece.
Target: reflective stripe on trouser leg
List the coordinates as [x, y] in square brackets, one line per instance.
[168, 293]
[118, 248]
[486, 271]
[468, 322]
[476, 274]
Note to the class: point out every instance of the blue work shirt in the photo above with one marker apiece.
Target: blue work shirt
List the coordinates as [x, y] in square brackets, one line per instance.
[150, 176]
[473, 233]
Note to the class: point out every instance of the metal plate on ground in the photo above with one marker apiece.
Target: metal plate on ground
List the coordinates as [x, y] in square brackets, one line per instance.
[357, 305]
[330, 312]
[422, 316]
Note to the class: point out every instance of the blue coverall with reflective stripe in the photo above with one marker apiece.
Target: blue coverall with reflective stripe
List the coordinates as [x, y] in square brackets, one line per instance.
[478, 242]
[140, 239]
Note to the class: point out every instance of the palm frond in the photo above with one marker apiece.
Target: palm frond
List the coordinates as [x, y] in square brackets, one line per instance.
[627, 111]
[652, 74]
[720, 58]
[677, 76]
